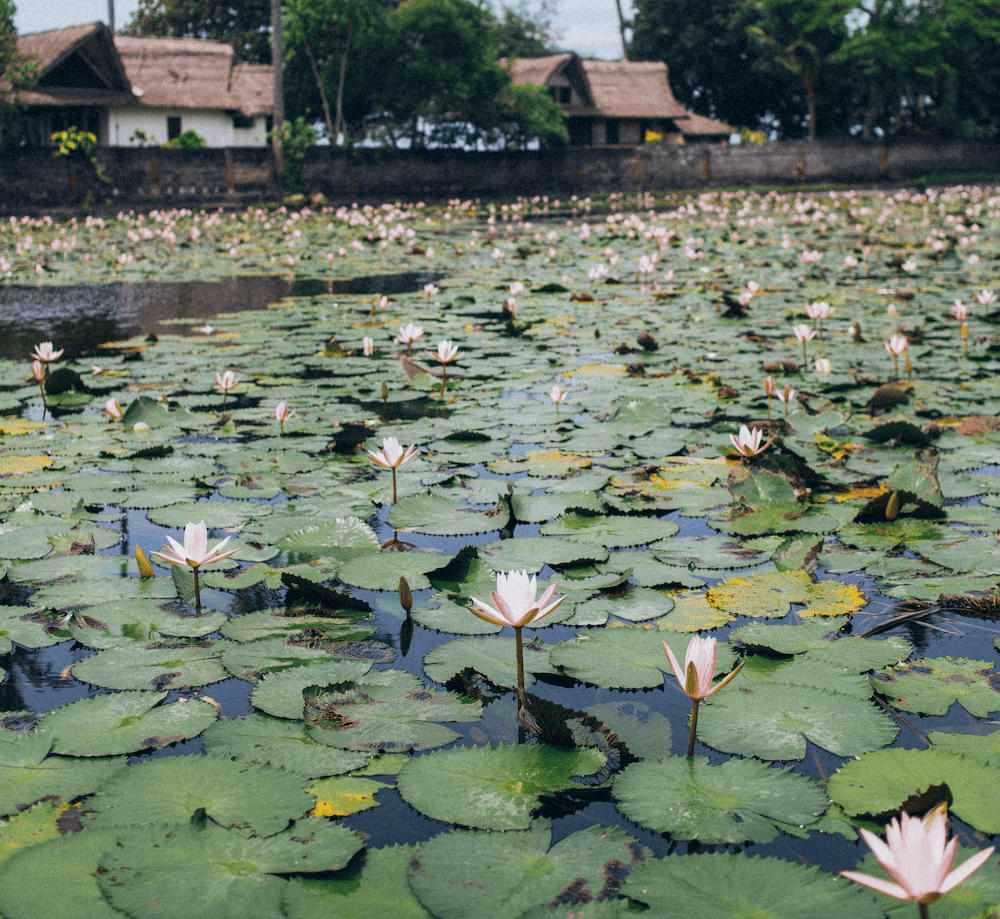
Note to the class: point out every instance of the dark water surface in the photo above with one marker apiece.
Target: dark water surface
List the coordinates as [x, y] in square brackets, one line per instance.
[80, 317]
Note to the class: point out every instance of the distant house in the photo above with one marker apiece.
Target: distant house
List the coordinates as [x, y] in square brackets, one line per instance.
[610, 103]
[129, 91]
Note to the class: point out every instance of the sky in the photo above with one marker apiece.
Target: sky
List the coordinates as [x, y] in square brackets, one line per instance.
[589, 27]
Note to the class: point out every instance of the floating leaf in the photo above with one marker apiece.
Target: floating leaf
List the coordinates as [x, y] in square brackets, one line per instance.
[493, 658]
[931, 685]
[491, 788]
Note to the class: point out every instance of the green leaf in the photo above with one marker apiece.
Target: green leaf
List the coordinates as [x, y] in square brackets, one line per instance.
[277, 742]
[644, 731]
[532, 553]
[125, 722]
[721, 886]
[377, 886]
[984, 748]
[820, 640]
[280, 694]
[342, 537]
[773, 721]
[172, 790]
[226, 875]
[382, 570]
[491, 788]
[612, 532]
[636, 605]
[880, 783]
[154, 667]
[493, 658]
[625, 658]
[931, 685]
[522, 872]
[387, 712]
[735, 802]
[438, 516]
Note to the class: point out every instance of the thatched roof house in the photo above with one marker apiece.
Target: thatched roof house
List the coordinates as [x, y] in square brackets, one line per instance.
[615, 102]
[143, 90]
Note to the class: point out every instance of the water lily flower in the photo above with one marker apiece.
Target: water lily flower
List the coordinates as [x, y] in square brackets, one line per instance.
[368, 346]
[205, 329]
[45, 353]
[769, 386]
[194, 554]
[850, 262]
[391, 457]
[113, 410]
[695, 679]
[282, 413]
[516, 604]
[918, 858]
[558, 395]
[749, 442]
[819, 311]
[408, 334]
[823, 366]
[892, 311]
[38, 371]
[786, 395]
[959, 311]
[226, 383]
[447, 352]
[431, 291]
[985, 297]
[804, 334]
[896, 345]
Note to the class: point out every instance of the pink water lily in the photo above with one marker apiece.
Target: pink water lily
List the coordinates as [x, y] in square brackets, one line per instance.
[391, 457]
[918, 858]
[749, 442]
[819, 311]
[959, 311]
[408, 334]
[45, 353]
[228, 381]
[985, 297]
[804, 334]
[194, 553]
[447, 352]
[367, 346]
[38, 371]
[896, 345]
[558, 395]
[696, 677]
[113, 410]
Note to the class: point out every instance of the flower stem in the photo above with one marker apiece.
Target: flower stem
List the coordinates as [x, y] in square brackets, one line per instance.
[519, 642]
[693, 733]
[444, 378]
[924, 911]
[197, 592]
[393, 486]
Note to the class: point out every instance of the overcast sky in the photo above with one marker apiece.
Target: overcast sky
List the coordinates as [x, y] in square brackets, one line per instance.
[589, 27]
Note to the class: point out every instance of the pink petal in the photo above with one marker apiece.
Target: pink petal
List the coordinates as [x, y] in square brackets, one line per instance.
[965, 869]
[879, 884]
[674, 665]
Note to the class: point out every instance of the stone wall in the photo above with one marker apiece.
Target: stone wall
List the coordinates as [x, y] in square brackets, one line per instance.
[34, 180]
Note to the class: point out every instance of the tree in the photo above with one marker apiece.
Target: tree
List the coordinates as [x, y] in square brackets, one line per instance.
[715, 67]
[16, 72]
[804, 35]
[245, 24]
[439, 70]
[325, 34]
[530, 113]
[524, 30]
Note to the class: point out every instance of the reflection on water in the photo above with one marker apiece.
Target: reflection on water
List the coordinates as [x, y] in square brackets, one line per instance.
[80, 318]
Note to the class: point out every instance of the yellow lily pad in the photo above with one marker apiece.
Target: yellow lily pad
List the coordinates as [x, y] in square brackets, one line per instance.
[13, 464]
[340, 796]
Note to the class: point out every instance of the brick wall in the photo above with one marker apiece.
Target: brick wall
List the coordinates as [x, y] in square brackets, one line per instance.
[152, 177]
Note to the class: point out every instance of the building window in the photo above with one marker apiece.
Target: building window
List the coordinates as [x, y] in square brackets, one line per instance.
[173, 127]
[565, 95]
[243, 122]
[611, 129]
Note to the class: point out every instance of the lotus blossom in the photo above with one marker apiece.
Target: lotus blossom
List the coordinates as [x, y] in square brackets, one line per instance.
[918, 858]
[786, 395]
[695, 679]
[408, 334]
[516, 604]
[391, 457]
[804, 334]
[558, 395]
[194, 554]
[226, 383]
[45, 353]
[819, 311]
[749, 442]
[896, 345]
[282, 413]
[959, 311]
[447, 352]
[985, 297]
[113, 410]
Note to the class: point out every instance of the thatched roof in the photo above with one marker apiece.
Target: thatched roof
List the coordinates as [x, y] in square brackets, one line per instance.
[617, 89]
[192, 73]
[632, 89]
[185, 73]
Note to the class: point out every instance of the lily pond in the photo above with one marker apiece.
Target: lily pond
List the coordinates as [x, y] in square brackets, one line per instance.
[315, 724]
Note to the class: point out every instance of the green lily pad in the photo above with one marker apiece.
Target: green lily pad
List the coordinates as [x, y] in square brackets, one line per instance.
[155, 667]
[611, 531]
[491, 788]
[493, 658]
[382, 570]
[931, 685]
[735, 802]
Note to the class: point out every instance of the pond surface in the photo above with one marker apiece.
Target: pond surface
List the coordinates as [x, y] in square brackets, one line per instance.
[305, 715]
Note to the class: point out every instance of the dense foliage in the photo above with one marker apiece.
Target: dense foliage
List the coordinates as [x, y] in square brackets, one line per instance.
[895, 66]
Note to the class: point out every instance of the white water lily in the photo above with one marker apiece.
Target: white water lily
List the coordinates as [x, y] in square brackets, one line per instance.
[45, 353]
[749, 442]
[391, 457]
[194, 553]
[113, 410]
[227, 382]
[447, 352]
[409, 334]
[515, 601]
